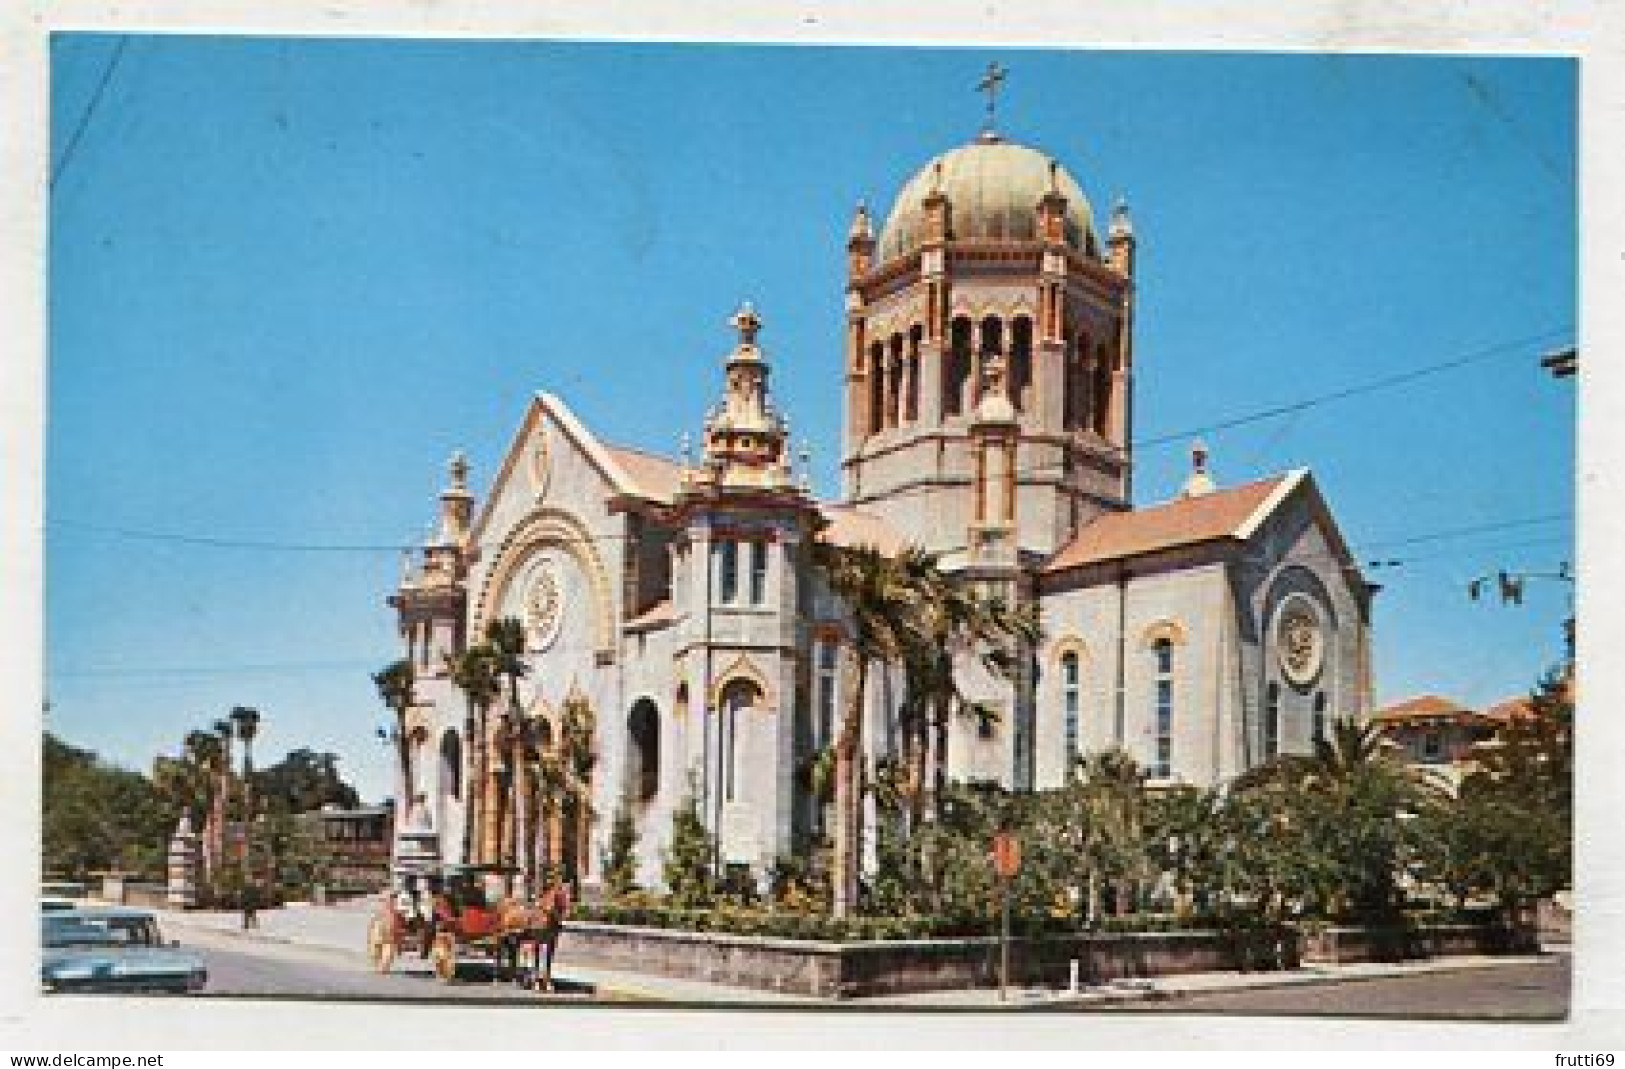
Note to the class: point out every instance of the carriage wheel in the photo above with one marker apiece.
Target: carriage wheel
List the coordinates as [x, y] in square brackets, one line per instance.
[380, 945]
[443, 956]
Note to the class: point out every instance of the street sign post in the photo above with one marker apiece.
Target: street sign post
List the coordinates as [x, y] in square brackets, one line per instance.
[1006, 863]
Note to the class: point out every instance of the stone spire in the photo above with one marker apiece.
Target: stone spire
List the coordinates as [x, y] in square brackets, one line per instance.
[860, 243]
[1120, 238]
[456, 503]
[1199, 482]
[745, 437]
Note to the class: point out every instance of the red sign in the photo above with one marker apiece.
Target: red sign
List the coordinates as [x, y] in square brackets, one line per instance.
[1006, 854]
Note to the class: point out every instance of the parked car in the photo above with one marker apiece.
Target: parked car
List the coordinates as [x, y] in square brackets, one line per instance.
[55, 904]
[113, 950]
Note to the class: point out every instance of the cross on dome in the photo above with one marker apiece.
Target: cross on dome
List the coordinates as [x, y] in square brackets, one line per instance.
[992, 79]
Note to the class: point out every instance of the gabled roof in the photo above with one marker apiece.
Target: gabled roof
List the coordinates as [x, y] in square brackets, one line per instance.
[1425, 707]
[617, 464]
[851, 526]
[1234, 512]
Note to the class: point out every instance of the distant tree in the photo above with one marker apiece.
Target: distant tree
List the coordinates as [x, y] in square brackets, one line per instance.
[97, 816]
[303, 781]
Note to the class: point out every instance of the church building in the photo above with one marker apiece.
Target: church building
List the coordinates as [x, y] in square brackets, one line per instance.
[988, 376]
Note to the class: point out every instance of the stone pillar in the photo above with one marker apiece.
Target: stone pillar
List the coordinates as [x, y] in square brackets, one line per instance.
[183, 866]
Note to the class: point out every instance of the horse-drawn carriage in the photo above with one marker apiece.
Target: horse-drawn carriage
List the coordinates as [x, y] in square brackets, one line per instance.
[451, 915]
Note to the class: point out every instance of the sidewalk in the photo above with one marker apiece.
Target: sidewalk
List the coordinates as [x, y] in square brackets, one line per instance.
[341, 930]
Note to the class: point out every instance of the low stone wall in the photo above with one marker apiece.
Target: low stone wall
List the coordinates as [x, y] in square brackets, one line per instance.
[847, 970]
[1333, 946]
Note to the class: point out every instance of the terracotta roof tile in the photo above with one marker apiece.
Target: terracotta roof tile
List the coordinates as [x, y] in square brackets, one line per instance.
[1509, 709]
[1424, 707]
[656, 477]
[851, 526]
[1183, 522]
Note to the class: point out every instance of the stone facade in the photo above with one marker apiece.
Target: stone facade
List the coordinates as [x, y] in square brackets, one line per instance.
[988, 386]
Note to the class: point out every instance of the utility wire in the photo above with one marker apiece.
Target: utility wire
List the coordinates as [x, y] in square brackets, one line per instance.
[1356, 389]
[90, 111]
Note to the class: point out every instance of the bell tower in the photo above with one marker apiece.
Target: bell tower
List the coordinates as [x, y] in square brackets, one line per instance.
[988, 269]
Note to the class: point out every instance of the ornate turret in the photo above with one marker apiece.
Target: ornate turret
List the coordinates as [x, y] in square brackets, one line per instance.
[988, 253]
[746, 440]
[433, 590]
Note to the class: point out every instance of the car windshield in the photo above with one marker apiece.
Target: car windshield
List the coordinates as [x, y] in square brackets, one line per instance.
[60, 931]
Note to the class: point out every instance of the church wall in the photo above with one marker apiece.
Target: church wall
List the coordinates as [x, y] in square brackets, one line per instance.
[1184, 603]
[1302, 561]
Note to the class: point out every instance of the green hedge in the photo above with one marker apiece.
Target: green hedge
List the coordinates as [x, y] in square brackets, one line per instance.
[821, 927]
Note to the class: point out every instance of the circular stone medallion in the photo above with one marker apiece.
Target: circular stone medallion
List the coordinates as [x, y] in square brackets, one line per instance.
[544, 604]
[1300, 642]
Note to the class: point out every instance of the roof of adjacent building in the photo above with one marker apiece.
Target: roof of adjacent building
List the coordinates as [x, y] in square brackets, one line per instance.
[1425, 707]
[1518, 707]
[656, 616]
[1233, 512]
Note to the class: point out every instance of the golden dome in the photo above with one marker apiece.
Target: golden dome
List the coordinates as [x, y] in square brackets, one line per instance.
[993, 188]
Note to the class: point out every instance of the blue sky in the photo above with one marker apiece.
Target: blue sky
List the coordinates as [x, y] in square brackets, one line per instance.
[289, 277]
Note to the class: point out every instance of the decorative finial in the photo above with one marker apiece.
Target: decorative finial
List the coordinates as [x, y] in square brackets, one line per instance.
[685, 445]
[1199, 482]
[748, 323]
[936, 176]
[804, 462]
[458, 466]
[990, 83]
[861, 230]
[1121, 224]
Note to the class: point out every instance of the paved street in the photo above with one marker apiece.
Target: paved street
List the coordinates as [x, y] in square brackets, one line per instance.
[1522, 991]
[247, 968]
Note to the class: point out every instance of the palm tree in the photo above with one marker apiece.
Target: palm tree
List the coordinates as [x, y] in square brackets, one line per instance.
[474, 673]
[247, 723]
[952, 616]
[506, 637]
[193, 782]
[395, 688]
[225, 734]
[880, 603]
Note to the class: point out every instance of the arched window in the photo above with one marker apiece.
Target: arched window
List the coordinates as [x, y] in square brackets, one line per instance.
[738, 697]
[451, 764]
[911, 406]
[1318, 727]
[1070, 703]
[955, 384]
[877, 386]
[643, 734]
[1272, 720]
[828, 655]
[758, 572]
[726, 551]
[894, 382]
[1162, 763]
